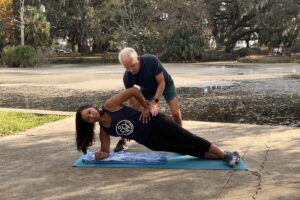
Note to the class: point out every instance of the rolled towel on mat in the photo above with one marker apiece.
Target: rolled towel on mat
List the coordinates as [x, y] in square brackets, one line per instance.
[151, 158]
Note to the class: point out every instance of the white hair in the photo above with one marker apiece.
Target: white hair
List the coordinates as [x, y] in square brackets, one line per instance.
[128, 51]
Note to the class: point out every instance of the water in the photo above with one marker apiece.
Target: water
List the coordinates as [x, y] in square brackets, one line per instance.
[262, 101]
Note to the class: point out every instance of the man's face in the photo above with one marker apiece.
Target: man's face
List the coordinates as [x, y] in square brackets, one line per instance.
[131, 64]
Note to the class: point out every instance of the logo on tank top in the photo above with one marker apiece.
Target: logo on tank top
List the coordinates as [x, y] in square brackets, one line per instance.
[124, 128]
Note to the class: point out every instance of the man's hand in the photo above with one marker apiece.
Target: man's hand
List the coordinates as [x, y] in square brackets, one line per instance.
[99, 155]
[153, 108]
[145, 115]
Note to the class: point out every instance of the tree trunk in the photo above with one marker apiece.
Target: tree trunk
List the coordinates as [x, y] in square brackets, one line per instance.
[216, 36]
[247, 43]
[72, 41]
[229, 46]
[22, 21]
[79, 46]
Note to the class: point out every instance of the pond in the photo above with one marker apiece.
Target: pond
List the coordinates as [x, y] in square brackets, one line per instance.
[263, 101]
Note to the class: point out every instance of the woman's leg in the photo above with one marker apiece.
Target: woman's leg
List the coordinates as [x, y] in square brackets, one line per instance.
[214, 153]
[231, 158]
[166, 135]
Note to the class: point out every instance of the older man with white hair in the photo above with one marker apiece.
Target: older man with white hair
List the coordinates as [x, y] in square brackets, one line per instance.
[147, 72]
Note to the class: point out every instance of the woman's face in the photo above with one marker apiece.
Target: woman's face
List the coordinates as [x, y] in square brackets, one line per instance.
[90, 115]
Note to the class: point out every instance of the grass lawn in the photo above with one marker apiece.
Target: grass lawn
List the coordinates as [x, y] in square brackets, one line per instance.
[12, 122]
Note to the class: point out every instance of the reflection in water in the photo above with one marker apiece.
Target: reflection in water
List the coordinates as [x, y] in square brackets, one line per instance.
[245, 103]
[248, 102]
[26, 100]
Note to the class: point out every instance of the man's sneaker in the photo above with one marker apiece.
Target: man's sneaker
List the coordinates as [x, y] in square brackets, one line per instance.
[121, 146]
[232, 158]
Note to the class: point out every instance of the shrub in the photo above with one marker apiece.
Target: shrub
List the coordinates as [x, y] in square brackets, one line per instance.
[242, 52]
[19, 56]
[214, 55]
[43, 54]
[7, 53]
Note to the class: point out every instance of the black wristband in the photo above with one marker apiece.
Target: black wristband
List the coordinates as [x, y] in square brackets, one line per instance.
[156, 100]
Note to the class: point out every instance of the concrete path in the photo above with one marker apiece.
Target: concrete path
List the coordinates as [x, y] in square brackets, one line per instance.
[36, 165]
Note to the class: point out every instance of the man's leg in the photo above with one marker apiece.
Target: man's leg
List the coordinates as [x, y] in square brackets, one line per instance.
[175, 110]
[121, 145]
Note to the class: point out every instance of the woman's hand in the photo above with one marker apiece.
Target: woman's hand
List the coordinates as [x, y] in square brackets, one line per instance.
[99, 155]
[145, 115]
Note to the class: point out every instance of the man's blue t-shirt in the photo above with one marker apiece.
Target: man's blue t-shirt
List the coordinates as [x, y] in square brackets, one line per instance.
[145, 78]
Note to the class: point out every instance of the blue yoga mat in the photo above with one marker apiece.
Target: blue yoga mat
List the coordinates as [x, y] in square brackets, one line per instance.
[174, 161]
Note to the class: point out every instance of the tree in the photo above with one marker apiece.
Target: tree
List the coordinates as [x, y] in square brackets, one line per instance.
[182, 30]
[37, 28]
[272, 22]
[280, 23]
[136, 21]
[58, 18]
[185, 45]
[83, 22]
[234, 20]
[105, 29]
[6, 24]
[22, 22]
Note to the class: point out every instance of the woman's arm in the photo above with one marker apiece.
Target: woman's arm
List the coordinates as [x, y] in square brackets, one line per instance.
[105, 145]
[115, 102]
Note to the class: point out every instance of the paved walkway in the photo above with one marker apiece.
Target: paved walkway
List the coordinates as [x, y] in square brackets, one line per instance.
[36, 165]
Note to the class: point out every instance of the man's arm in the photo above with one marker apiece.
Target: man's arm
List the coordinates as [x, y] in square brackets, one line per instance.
[160, 85]
[159, 91]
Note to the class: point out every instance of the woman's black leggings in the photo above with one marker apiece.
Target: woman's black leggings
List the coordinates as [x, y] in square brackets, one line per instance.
[166, 135]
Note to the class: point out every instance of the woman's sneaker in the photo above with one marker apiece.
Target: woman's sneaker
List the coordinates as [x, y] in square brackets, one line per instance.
[232, 158]
[121, 146]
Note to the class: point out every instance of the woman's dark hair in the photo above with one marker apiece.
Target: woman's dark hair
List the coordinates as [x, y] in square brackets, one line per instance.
[85, 135]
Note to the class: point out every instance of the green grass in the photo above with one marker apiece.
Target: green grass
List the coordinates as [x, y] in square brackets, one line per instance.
[12, 122]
